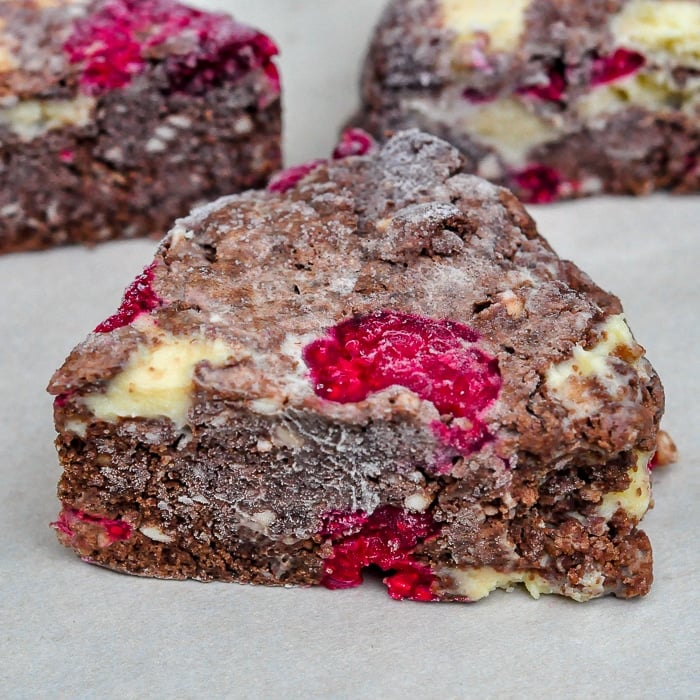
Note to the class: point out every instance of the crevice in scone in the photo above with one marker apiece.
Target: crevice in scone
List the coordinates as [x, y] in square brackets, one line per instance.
[381, 365]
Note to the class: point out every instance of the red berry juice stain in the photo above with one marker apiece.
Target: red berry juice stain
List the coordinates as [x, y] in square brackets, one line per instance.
[113, 44]
[620, 64]
[551, 91]
[387, 539]
[353, 142]
[139, 298]
[286, 179]
[116, 530]
[540, 184]
[606, 69]
[435, 359]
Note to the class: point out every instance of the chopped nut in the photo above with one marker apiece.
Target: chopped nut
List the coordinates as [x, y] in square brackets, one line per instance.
[666, 450]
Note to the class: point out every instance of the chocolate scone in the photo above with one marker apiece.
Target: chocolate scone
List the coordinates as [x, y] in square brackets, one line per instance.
[552, 98]
[117, 116]
[376, 362]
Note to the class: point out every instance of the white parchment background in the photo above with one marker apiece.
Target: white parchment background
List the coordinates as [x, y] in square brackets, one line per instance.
[68, 630]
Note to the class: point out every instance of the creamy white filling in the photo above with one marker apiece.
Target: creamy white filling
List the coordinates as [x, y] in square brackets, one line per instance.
[477, 583]
[505, 124]
[650, 90]
[502, 21]
[30, 119]
[570, 381]
[668, 32]
[158, 379]
[636, 498]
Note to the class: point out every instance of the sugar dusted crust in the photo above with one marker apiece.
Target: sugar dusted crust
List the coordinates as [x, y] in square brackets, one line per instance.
[552, 98]
[379, 362]
[117, 116]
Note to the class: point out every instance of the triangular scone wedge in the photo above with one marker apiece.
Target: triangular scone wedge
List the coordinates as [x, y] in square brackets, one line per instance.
[378, 363]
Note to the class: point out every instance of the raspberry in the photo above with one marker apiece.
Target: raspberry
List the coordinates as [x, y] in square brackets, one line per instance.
[286, 179]
[139, 298]
[435, 359]
[620, 64]
[115, 530]
[354, 142]
[113, 45]
[539, 184]
[386, 539]
[551, 91]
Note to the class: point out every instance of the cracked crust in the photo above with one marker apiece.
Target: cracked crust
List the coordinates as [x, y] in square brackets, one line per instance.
[241, 489]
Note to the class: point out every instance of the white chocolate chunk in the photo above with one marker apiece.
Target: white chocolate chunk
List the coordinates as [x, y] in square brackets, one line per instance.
[513, 304]
[509, 127]
[477, 583]
[416, 502]
[284, 436]
[258, 522]
[503, 21]
[648, 90]
[77, 426]
[157, 381]
[670, 30]
[635, 499]
[266, 406]
[32, 118]
[567, 380]
[505, 124]
[155, 534]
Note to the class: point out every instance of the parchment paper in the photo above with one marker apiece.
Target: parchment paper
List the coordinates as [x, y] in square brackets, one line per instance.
[69, 630]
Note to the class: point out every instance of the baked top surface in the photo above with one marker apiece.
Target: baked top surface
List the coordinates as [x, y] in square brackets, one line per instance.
[658, 239]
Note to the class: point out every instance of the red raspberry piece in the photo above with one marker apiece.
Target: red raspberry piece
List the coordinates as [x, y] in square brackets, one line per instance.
[286, 179]
[539, 184]
[619, 64]
[116, 530]
[113, 45]
[139, 298]
[386, 539]
[435, 359]
[354, 142]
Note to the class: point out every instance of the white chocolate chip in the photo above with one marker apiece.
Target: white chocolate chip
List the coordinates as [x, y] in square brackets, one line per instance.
[501, 21]
[243, 125]
[179, 121]
[157, 381]
[165, 132]
[155, 534]
[32, 118]
[266, 406]
[417, 502]
[284, 437]
[263, 445]
[154, 145]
